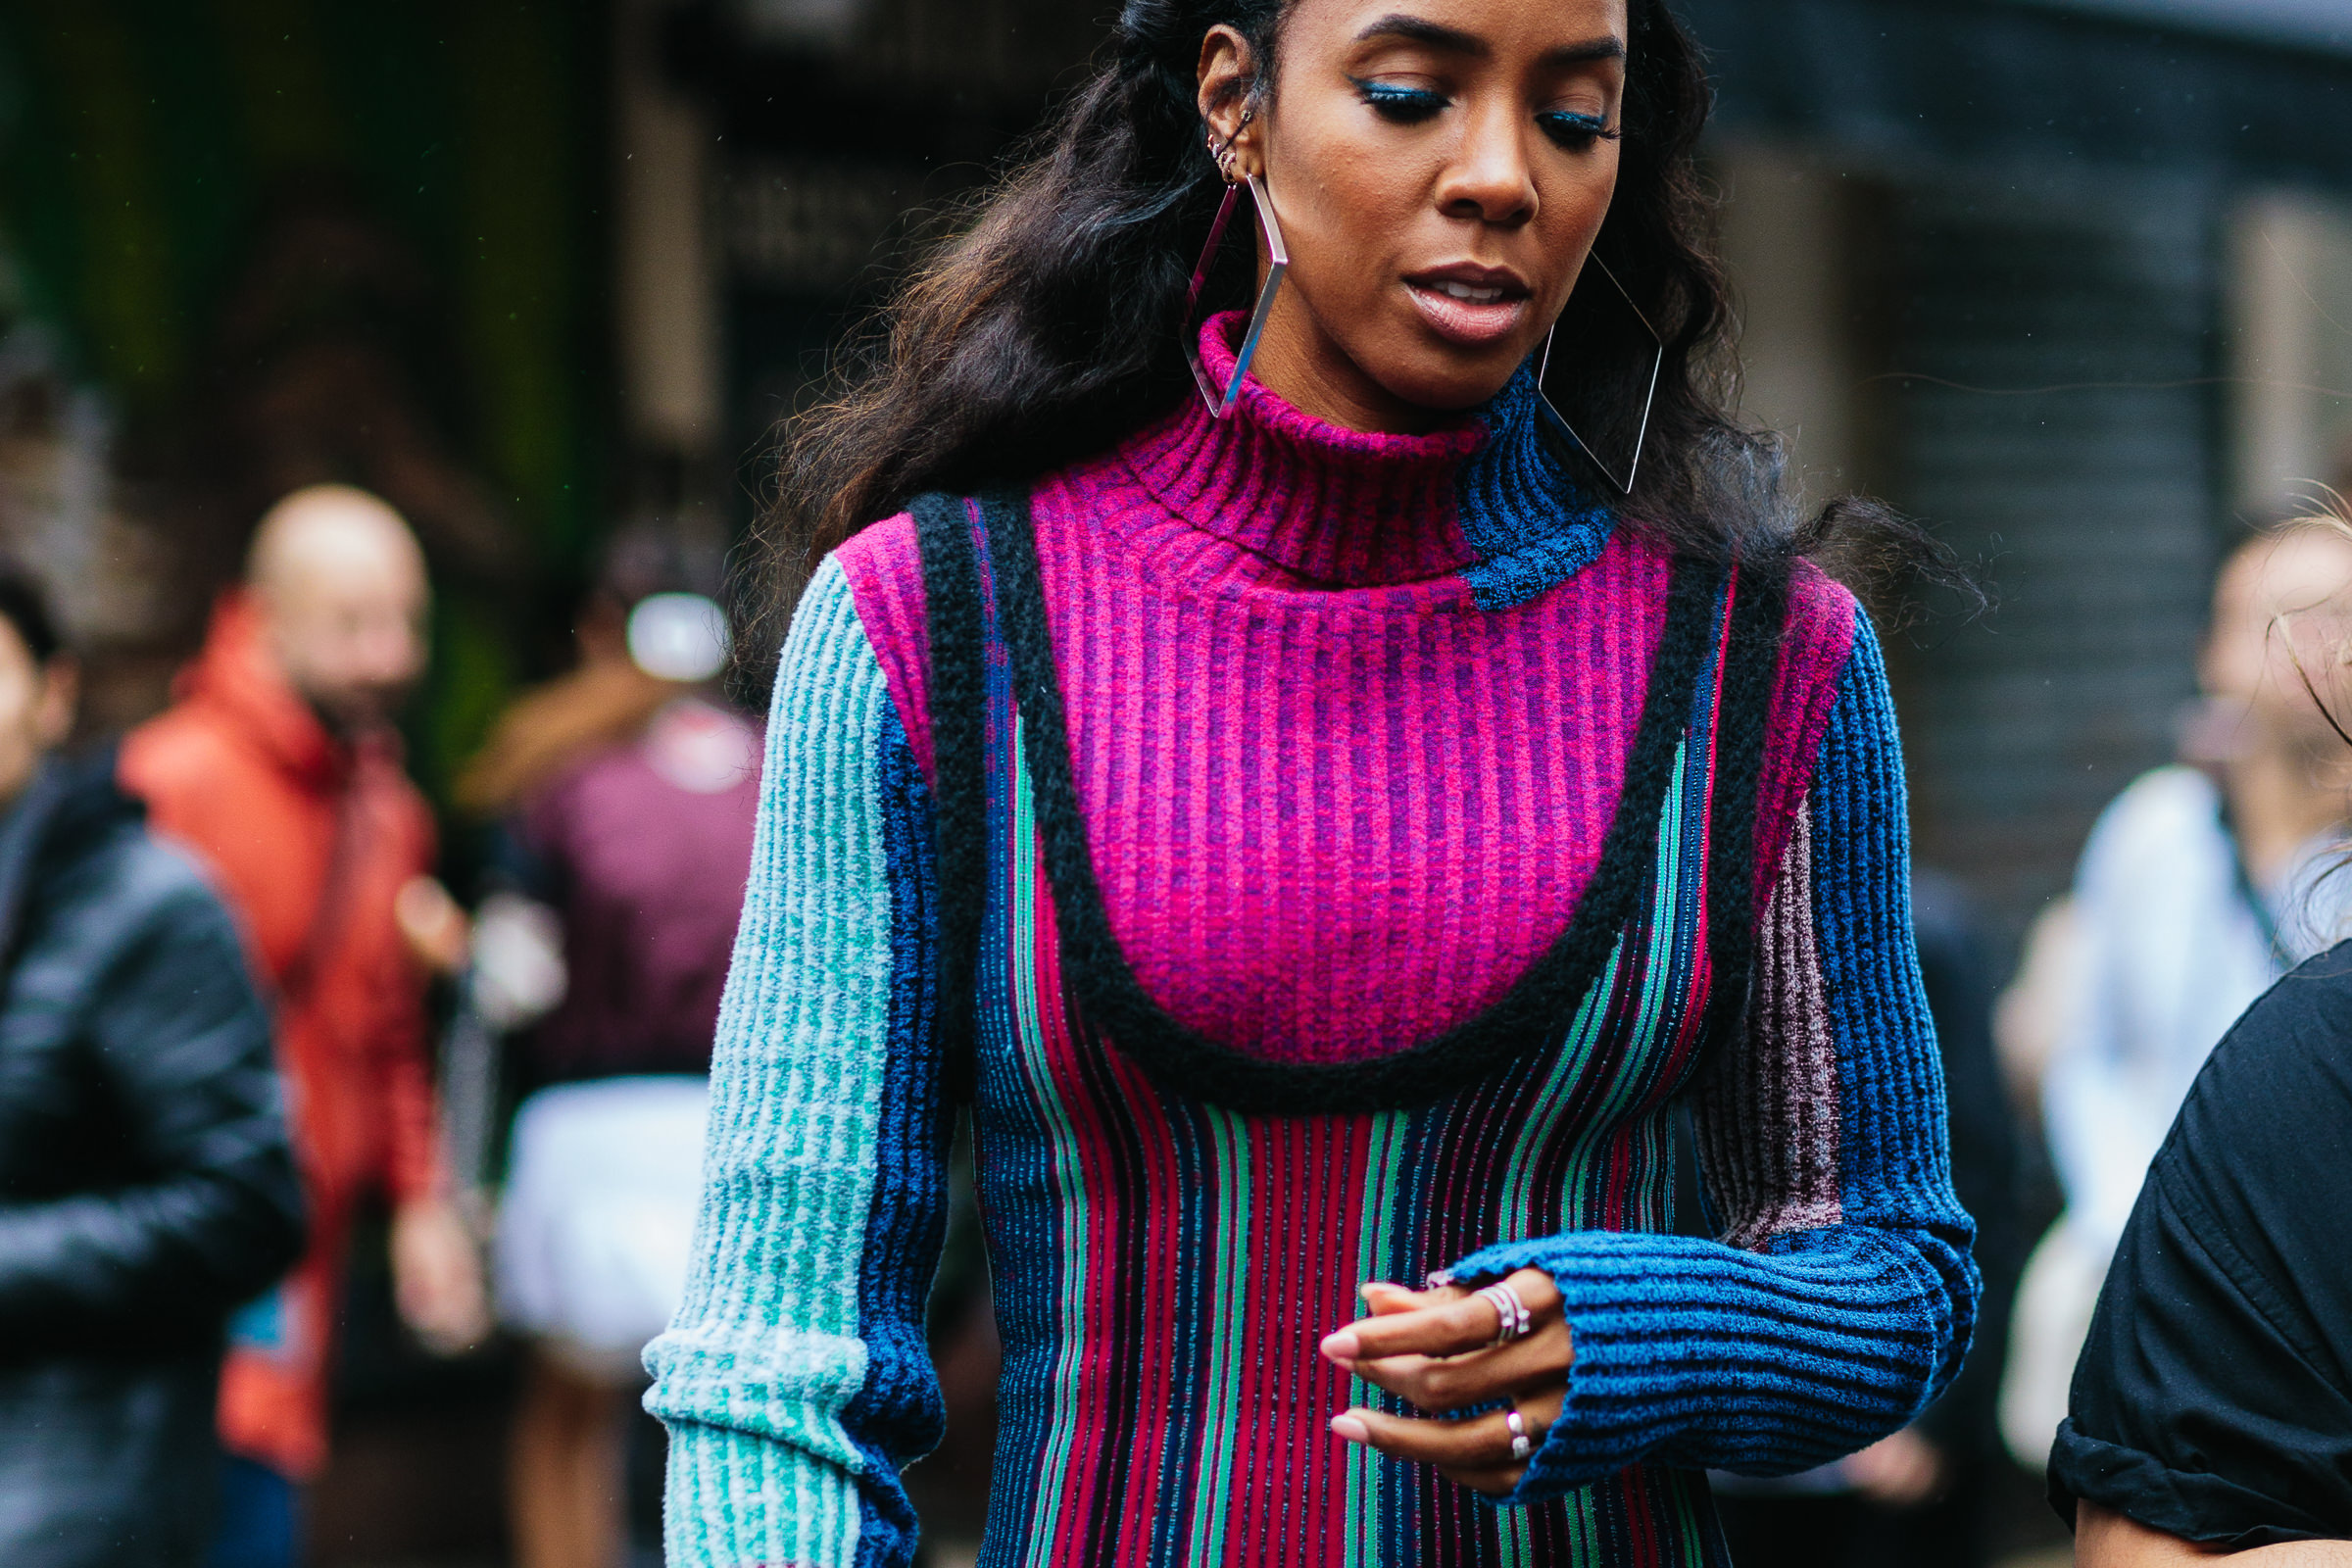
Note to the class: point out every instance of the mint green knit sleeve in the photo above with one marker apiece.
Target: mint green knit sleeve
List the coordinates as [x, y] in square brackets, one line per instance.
[793, 1379]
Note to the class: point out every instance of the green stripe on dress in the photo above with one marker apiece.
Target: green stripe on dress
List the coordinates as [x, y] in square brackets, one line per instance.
[1230, 1136]
[1055, 1455]
[1368, 1471]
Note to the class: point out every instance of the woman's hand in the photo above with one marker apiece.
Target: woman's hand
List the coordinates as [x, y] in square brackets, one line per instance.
[1437, 1350]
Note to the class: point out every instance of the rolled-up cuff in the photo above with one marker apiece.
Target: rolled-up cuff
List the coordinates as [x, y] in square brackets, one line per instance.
[1614, 1381]
[1704, 1357]
[2192, 1505]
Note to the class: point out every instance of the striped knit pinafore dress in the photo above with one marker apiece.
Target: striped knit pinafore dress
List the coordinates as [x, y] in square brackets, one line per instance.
[1153, 1178]
[1314, 857]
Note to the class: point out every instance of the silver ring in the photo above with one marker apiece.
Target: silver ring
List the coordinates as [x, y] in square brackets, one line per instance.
[1512, 1320]
[1521, 1445]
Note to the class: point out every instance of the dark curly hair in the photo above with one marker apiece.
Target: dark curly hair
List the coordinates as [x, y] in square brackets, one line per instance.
[1047, 327]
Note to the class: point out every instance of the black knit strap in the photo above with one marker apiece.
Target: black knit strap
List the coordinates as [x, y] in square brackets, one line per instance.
[942, 531]
[1526, 1019]
[1750, 667]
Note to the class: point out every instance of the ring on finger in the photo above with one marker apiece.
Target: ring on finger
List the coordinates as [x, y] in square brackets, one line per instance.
[1522, 1446]
[1513, 1321]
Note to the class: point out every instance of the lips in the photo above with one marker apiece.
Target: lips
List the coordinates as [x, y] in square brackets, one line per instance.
[1468, 304]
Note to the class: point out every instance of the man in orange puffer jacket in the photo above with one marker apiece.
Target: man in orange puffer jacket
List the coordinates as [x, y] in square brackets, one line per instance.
[278, 767]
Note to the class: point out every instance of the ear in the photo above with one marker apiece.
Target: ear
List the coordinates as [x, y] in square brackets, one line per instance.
[60, 701]
[1228, 81]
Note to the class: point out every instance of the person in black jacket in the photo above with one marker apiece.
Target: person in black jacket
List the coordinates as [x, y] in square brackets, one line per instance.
[2211, 1414]
[146, 1183]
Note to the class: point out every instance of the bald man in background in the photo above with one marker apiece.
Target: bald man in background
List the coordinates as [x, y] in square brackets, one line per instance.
[280, 767]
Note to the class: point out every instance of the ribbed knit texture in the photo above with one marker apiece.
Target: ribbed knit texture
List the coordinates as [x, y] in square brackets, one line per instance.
[1348, 719]
[1842, 1282]
[799, 1367]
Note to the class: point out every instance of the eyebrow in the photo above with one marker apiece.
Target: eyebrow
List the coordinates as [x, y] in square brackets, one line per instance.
[1422, 30]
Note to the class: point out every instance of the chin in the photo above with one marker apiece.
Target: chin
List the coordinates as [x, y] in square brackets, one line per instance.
[1449, 388]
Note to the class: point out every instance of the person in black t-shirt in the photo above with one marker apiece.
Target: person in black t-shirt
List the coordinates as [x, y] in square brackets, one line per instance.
[2212, 1409]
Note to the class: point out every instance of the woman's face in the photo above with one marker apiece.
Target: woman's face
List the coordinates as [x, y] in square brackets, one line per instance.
[1438, 169]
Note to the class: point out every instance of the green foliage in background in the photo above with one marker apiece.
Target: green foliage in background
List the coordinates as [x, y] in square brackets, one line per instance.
[139, 139]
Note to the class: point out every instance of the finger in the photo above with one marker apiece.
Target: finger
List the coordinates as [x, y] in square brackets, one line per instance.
[1482, 1443]
[1386, 1299]
[1540, 1409]
[1449, 1383]
[1449, 1328]
[1495, 1470]
[1537, 1290]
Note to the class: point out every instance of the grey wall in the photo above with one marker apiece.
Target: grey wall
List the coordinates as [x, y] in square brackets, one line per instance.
[2091, 507]
[2035, 205]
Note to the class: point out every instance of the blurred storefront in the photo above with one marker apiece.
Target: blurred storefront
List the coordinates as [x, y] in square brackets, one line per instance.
[2072, 282]
[259, 242]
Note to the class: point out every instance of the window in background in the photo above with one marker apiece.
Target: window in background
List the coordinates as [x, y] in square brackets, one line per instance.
[2290, 349]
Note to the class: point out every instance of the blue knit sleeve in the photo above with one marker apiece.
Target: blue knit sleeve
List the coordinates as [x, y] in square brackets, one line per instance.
[795, 1379]
[1839, 1297]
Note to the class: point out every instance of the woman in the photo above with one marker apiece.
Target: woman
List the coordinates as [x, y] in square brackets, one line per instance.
[146, 1182]
[1357, 824]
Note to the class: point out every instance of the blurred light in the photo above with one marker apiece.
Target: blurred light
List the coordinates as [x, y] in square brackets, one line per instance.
[681, 637]
[2308, 24]
[822, 23]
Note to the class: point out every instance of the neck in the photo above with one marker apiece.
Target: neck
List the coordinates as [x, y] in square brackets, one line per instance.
[2280, 799]
[1316, 504]
[1300, 363]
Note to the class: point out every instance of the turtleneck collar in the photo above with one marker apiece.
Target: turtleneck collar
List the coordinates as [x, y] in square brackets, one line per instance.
[1482, 495]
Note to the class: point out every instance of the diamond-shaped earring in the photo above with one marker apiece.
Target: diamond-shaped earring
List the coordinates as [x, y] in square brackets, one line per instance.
[1220, 400]
[1650, 385]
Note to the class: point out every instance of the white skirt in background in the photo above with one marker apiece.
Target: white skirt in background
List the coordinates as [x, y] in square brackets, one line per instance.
[596, 1222]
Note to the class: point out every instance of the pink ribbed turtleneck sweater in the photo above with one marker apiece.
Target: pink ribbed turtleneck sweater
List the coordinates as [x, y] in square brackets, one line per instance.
[1347, 729]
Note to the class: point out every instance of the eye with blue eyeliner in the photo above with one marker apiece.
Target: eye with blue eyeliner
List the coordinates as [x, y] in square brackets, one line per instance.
[1401, 105]
[1568, 129]
[1393, 101]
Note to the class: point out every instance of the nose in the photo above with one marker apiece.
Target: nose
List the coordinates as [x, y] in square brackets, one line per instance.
[1487, 179]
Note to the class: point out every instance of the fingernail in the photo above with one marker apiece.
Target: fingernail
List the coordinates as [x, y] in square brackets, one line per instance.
[1342, 1346]
[1350, 1426]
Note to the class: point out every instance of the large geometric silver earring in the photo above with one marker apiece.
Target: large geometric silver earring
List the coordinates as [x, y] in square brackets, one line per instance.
[1220, 399]
[1649, 383]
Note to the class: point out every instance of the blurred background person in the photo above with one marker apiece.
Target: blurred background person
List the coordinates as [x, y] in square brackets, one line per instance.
[604, 699]
[2200, 886]
[630, 791]
[278, 765]
[146, 1182]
